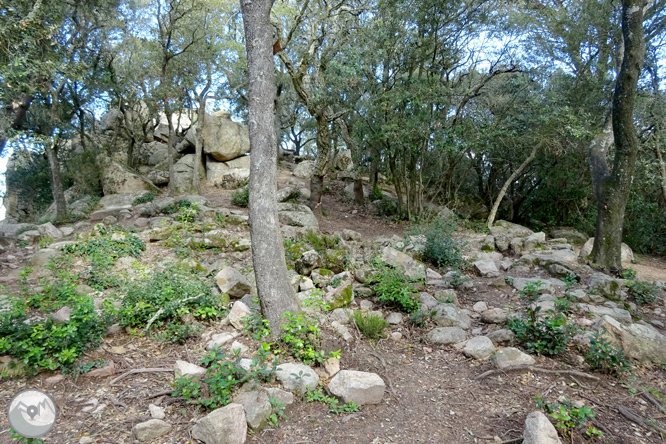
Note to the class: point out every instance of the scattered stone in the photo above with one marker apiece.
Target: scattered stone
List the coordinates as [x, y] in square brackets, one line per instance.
[107, 370]
[230, 281]
[447, 335]
[448, 315]
[340, 297]
[520, 284]
[53, 380]
[297, 215]
[480, 307]
[61, 316]
[183, 368]
[238, 314]
[394, 318]
[297, 377]
[479, 348]
[396, 336]
[351, 235]
[486, 268]
[510, 356]
[86, 440]
[503, 336]
[361, 387]
[427, 300]
[306, 284]
[226, 425]
[332, 366]
[366, 305]
[156, 412]
[220, 339]
[280, 395]
[599, 311]
[42, 257]
[49, 230]
[256, 405]
[539, 430]
[341, 315]
[150, 430]
[605, 285]
[342, 331]
[410, 267]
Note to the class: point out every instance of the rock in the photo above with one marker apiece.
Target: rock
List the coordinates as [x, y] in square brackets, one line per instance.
[332, 366]
[108, 212]
[183, 170]
[306, 284]
[183, 368]
[571, 235]
[480, 307]
[111, 120]
[641, 341]
[297, 377]
[256, 405]
[503, 336]
[510, 357]
[219, 340]
[343, 160]
[118, 179]
[339, 297]
[626, 254]
[341, 315]
[533, 240]
[486, 268]
[53, 380]
[226, 425]
[86, 440]
[42, 257]
[539, 430]
[351, 235]
[605, 285]
[297, 215]
[342, 331]
[280, 395]
[544, 285]
[305, 169]
[448, 315]
[220, 175]
[410, 267]
[61, 316]
[156, 412]
[599, 311]
[152, 153]
[239, 311]
[223, 138]
[504, 232]
[427, 300]
[447, 335]
[307, 262]
[495, 316]
[230, 281]
[150, 430]
[560, 271]
[238, 347]
[394, 318]
[360, 387]
[479, 347]
[49, 230]
[107, 370]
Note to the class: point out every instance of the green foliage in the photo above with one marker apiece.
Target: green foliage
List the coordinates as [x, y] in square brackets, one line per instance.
[187, 213]
[394, 289]
[321, 242]
[441, 249]
[241, 197]
[332, 402]
[23, 440]
[145, 198]
[278, 411]
[294, 197]
[419, 318]
[569, 418]
[644, 292]
[371, 325]
[168, 295]
[629, 274]
[45, 241]
[257, 326]
[177, 332]
[604, 357]
[176, 207]
[457, 279]
[102, 251]
[302, 337]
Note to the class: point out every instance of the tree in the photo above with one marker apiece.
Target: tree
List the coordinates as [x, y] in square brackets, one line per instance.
[276, 294]
[612, 185]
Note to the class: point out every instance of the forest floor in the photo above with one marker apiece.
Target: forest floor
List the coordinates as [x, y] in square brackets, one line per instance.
[433, 394]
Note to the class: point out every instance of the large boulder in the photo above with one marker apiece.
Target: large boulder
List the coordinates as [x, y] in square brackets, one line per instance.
[640, 341]
[111, 120]
[305, 169]
[605, 285]
[343, 160]
[221, 175]
[183, 172]
[362, 388]
[224, 139]
[226, 425]
[404, 262]
[448, 315]
[152, 153]
[118, 179]
[570, 234]
[297, 215]
[626, 254]
[230, 281]
[504, 232]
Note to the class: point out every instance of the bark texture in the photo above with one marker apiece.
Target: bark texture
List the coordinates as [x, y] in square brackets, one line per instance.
[270, 269]
[56, 180]
[612, 186]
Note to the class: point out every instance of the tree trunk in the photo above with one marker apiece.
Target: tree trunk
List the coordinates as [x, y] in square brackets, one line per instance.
[662, 169]
[612, 187]
[270, 269]
[56, 180]
[351, 146]
[323, 153]
[198, 144]
[14, 113]
[513, 177]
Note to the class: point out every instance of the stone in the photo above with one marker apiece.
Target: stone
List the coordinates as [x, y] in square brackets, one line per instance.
[221, 339]
[544, 285]
[53, 380]
[280, 395]
[152, 153]
[427, 300]
[220, 175]
[486, 268]
[231, 282]
[226, 425]
[238, 347]
[639, 341]
[156, 412]
[108, 212]
[362, 388]
[531, 241]
[351, 235]
[447, 335]
[239, 311]
[305, 169]
[510, 357]
[184, 368]
[61, 316]
[86, 440]
[343, 160]
[448, 315]
[503, 336]
[307, 262]
[342, 331]
[571, 235]
[341, 315]
[560, 271]
[42, 257]
[626, 254]
[49, 230]
[183, 171]
[397, 259]
[480, 307]
[297, 215]
[495, 316]
[339, 297]
[619, 314]
[394, 318]
[332, 366]
[306, 284]
[110, 220]
[150, 430]
[297, 377]
[223, 138]
[504, 232]
[605, 285]
[118, 179]
[256, 406]
[479, 348]
[539, 430]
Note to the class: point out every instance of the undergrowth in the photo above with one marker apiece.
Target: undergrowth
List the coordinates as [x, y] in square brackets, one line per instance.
[394, 289]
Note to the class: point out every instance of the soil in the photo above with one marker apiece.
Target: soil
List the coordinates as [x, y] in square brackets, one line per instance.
[433, 393]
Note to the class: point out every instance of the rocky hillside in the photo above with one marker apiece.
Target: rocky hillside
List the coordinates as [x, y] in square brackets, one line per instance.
[142, 323]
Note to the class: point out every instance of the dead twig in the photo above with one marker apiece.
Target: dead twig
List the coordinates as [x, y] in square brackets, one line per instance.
[141, 370]
[656, 403]
[158, 394]
[631, 416]
[534, 369]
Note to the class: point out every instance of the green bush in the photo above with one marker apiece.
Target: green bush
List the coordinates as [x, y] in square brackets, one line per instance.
[643, 292]
[441, 249]
[321, 242]
[605, 358]
[395, 290]
[371, 325]
[241, 197]
[145, 198]
[569, 418]
[302, 338]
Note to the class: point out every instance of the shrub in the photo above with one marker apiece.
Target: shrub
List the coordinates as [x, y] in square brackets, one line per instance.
[371, 325]
[331, 401]
[643, 292]
[605, 358]
[145, 198]
[441, 249]
[569, 418]
[321, 243]
[302, 338]
[394, 289]
[241, 197]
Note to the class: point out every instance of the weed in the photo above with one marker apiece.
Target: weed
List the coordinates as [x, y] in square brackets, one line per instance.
[144, 199]
[302, 338]
[257, 326]
[457, 279]
[187, 213]
[23, 244]
[278, 411]
[629, 274]
[604, 357]
[418, 318]
[332, 402]
[175, 332]
[394, 289]
[570, 280]
[568, 418]
[643, 292]
[321, 243]
[45, 241]
[371, 325]
[440, 248]
[294, 197]
[241, 197]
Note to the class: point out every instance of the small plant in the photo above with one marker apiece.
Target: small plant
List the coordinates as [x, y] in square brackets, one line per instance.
[294, 197]
[176, 332]
[530, 292]
[440, 248]
[278, 411]
[394, 289]
[187, 213]
[643, 292]
[629, 274]
[563, 304]
[45, 241]
[569, 418]
[371, 325]
[570, 280]
[457, 279]
[332, 402]
[23, 244]
[241, 197]
[604, 357]
[145, 198]
[418, 318]
[257, 326]
[301, 337]
[321, 242]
